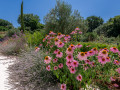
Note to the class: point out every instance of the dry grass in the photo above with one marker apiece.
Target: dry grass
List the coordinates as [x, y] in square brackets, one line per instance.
[29, 72]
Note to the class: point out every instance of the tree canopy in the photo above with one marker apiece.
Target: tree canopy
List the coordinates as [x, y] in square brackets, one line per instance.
[30, 20]
[62, 19]
[94, 22]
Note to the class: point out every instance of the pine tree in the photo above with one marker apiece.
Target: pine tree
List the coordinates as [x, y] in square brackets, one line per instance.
[22, 22]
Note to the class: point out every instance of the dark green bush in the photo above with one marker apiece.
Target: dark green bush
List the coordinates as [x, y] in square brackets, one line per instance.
[11, 32]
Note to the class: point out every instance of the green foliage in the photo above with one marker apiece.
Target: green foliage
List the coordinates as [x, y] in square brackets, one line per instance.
[94, 22]
[5, 25]
[35, 38]
[31, 21]
[61, 19]
[12, 32]
[111, 28]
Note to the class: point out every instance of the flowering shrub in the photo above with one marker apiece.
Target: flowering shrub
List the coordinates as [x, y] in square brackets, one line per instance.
[75, 67]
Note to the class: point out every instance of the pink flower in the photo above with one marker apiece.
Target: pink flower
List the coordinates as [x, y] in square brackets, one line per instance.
[72, 46]
[77, 28]
[63, 86]
[79, 77]
[80, 32]
[102, 60]
[55, 60]
[47, 59]
[95, 51]
[59, 54]
[87, 61]
[116, 85]
[107, 59]
[68, 63]
[114, 50]
[51, 46]
[37, 49]
[55, 67]
[60, 65]
[82, 56]
[78, 45]
[56, 41]
[73, 32]
[119, 53]
[56, 51]
[112, 78]
[93, 64]
[44, 40]
[51, 33]
[60, 44]
[116, 62]
[69, 50]
[118, 70]
[59, 35]
[72, 70]
[90, 53]
[40, 45]
[106, 49]
[69, 57]
[103, 53]
[75, 63]
[48, 67]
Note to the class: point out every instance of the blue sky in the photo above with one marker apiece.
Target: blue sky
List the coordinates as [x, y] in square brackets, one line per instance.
[10, 9]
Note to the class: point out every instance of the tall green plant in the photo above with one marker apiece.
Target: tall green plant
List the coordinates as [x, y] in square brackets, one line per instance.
[22, 22]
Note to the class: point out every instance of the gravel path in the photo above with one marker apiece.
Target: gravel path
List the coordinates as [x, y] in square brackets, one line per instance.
[4, 74]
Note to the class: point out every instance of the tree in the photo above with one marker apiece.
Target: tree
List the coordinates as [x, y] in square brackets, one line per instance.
[22, 21]
[115, 30]
[94, 22]
[5, 25]
[30, 20]
[61, 19]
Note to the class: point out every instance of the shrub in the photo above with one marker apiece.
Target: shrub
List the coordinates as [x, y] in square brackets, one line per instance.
[12, 46]
[29, 73]
[12, 32]
[35, 38]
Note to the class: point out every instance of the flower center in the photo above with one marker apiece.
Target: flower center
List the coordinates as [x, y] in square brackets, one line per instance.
[69, 57]
[59, 34]
[62, 86]
[114, 48]
[104, 52]
[103, 59]
[90, 51]
[60, 43]
[58, 52]
[75, 63]
[56, 39]
[46, 57]
[82, 53]
[94, 49]
[69, 49]
[79, 77]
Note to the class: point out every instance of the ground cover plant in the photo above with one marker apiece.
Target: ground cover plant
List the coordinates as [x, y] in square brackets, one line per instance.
[29, 73]
[76, 65]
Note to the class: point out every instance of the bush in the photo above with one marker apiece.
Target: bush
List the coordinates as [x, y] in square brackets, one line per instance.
[12, 46]
[12, 32]
[29, 72]
[34, 39]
